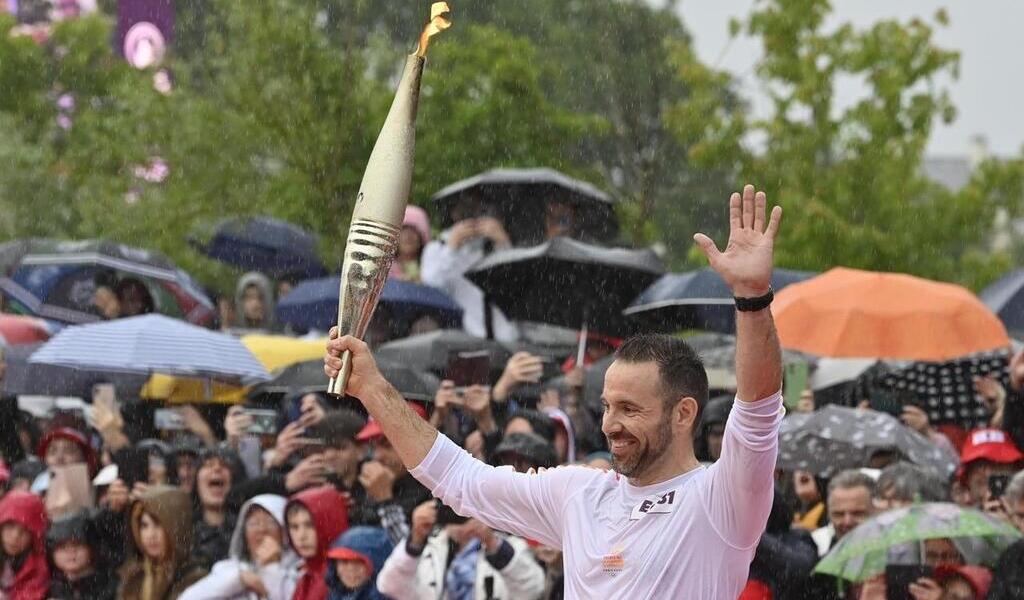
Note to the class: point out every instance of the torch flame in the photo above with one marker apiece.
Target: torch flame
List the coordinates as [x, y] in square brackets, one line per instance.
[438, 23]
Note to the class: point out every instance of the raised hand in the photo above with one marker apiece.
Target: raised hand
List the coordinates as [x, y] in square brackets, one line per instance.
[746, 263]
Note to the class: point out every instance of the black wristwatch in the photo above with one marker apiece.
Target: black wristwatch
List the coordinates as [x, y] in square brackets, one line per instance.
[755, 304]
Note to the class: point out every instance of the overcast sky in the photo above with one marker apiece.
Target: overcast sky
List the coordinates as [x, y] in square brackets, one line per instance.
[989, 95]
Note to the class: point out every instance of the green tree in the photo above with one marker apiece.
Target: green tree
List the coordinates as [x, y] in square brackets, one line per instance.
[849, 178]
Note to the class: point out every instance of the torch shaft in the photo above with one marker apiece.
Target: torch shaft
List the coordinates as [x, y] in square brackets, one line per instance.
[336, 386]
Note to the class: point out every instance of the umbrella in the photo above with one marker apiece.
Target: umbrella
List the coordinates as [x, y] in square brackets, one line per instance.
[152, 343]
[852, 313]
[273, 351]
[56, 279]
[430, 351]
[16, 329]
[696, 300]
[834, 438]
[896, 536]
[516, 197]
[32, 379]
[944, 389]
[830, 372]
[569, 283]
[309, 376]
[313, 304]
[1005, 297]
[263, 244]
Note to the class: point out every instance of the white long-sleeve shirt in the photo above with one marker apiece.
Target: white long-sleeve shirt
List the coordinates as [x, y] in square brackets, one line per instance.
[691, 537]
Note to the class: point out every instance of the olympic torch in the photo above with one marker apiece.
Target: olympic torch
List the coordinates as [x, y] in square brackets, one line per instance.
[380, 204]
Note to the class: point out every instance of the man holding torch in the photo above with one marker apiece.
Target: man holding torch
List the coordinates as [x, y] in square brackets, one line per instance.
[660, 525]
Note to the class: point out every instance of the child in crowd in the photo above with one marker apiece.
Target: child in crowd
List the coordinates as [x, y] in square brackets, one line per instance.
[77, 574]
[314, 518]
[355, 559]
[24, 574]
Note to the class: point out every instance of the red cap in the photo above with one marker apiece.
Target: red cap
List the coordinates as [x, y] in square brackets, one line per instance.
[990, 444]
[74, 436]
[350, 554]
[373, 430]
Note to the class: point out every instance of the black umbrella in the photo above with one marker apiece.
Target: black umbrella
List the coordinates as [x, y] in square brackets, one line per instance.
[264, 244]
[517, 198]
[36, 379]
[835, 438]
[308, 376]
[569, 283]
[1006, 298]
[696, 300]
[945, 390]
[430, 351]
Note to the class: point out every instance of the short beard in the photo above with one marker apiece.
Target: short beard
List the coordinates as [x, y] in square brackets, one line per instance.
[646, 456]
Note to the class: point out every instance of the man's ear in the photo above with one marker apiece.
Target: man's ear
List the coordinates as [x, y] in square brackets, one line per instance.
[685, 413]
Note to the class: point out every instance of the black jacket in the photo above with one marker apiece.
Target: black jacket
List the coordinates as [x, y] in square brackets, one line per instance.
[100, 585]
[1008, 577]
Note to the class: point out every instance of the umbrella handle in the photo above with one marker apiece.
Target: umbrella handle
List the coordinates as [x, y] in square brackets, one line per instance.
[336, 386]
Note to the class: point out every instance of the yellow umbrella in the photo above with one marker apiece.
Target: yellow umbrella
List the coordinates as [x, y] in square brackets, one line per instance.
[273, 351]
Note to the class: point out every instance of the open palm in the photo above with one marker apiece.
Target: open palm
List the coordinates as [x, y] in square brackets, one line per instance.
[746, 263]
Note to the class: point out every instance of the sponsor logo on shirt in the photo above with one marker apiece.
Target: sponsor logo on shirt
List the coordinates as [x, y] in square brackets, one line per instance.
[658, 505]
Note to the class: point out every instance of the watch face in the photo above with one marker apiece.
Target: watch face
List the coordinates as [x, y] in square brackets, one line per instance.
[144, 45]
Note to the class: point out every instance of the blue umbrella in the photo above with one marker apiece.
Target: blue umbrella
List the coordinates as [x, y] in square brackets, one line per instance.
[1006, 298]
[313, 304]
[695, 300]
[152, 344]
[263, 244]
[56, 279]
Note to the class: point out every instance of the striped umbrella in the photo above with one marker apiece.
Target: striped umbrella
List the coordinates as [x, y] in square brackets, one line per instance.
[152, 344]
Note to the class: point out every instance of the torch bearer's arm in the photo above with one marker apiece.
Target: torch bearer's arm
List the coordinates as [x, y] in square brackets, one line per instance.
[409, 434]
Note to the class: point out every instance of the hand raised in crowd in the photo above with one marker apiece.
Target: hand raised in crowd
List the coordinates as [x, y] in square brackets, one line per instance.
[549, 399]
[477, 399]
[253, 583]
[926, 588]
[874, 589]
[117, 496]
[446, 397]
[377, 480]
[195, 423]
[288, 441]
[915, 418]
[485, 534]
[310, 471]
[108, 421]
[574, 378]
[492, 229]
[267, 551]
[138, 489]
[522, 368]
[423, 519]
[462, 232]
[236, 423]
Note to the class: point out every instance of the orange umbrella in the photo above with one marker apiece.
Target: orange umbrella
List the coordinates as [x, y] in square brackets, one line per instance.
[852, 313]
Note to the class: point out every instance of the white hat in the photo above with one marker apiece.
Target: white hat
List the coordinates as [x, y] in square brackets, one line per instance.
[106, 476]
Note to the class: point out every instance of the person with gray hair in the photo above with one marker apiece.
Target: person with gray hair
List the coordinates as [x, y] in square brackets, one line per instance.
[850, 503]
[1014, 500]
[902, 484]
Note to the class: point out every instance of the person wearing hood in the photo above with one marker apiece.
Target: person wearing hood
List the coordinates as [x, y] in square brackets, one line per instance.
[355, 559]
[67, 446]
[415, 236]
[24, 573]
[219, 469]
[785, 555]
[254, 302]
[259, 563]
[77, 570]
[525, 451]
[160, 565]
[314, 517]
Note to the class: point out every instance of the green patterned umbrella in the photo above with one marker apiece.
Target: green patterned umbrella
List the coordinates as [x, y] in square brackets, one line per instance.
[896, 536]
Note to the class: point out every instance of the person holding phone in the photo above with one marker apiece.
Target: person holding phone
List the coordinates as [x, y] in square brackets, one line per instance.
[661, 525]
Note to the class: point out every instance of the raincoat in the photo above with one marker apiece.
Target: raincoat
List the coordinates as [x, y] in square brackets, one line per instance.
[97, 585]
[330, 517]
[25, 577]
[367, 544]
[141, 579]
[223, 582]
